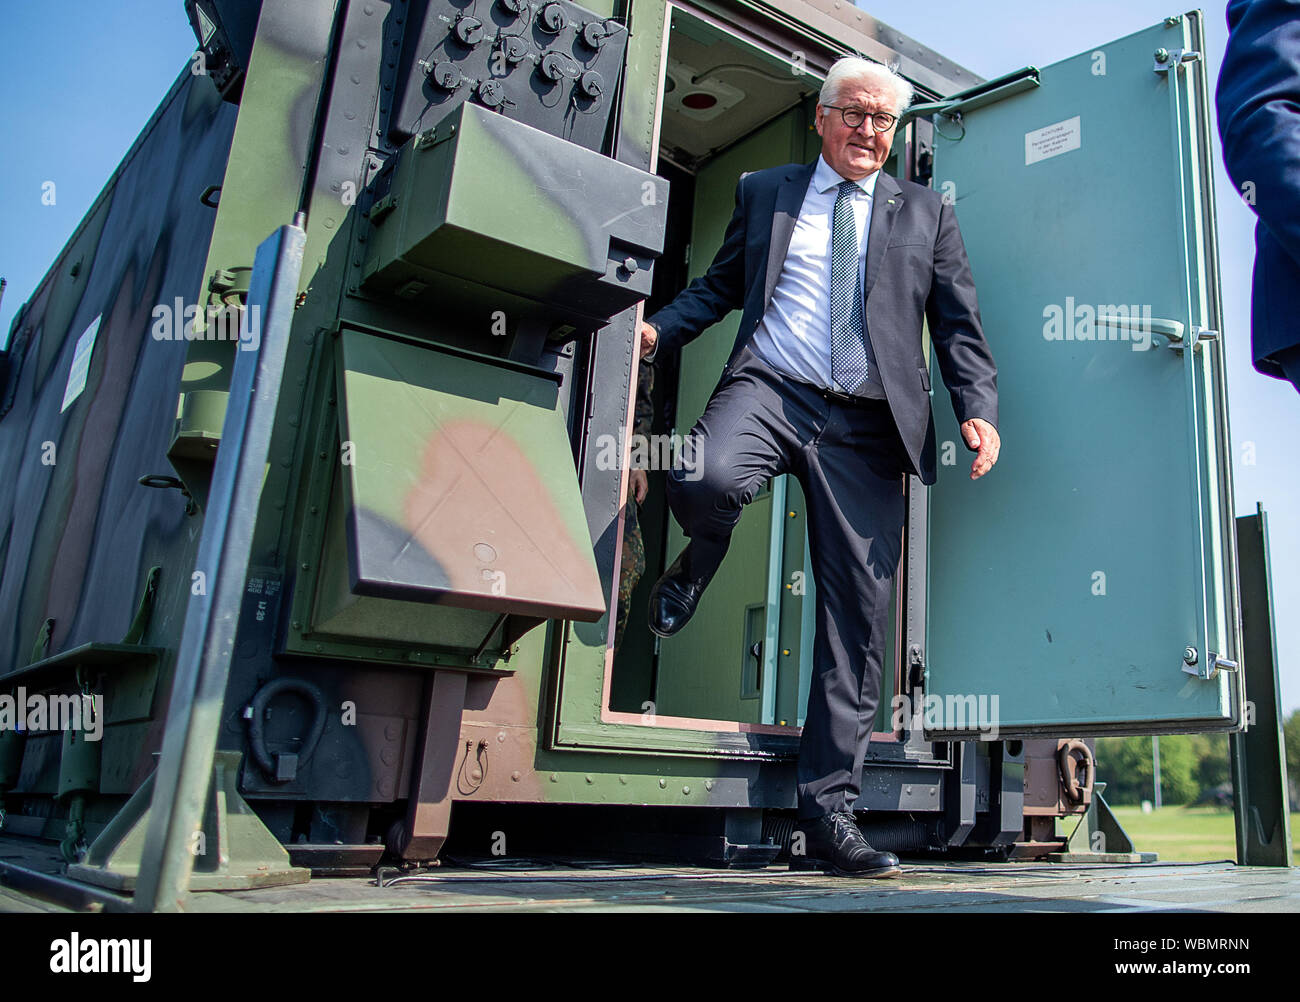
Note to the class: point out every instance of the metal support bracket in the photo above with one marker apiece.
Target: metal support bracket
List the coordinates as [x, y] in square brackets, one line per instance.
[232, 849]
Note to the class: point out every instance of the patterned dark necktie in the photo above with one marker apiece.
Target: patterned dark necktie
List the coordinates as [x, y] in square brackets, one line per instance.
[848, 350]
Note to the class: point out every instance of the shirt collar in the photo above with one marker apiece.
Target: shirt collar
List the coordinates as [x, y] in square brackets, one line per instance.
[825, 178]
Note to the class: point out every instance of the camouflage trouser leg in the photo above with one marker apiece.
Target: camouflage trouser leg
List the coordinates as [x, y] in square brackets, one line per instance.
[631, 570]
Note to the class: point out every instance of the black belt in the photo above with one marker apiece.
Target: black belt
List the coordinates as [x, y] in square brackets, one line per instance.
[848, 399]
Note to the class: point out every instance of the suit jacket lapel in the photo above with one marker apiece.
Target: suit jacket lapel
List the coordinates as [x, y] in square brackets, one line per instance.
[884, 209]
[789, 200]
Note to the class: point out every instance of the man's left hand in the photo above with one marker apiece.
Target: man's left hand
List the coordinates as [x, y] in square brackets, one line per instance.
[981, 435]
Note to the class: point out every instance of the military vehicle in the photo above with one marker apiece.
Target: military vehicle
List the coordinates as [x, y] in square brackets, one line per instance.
[326, 523]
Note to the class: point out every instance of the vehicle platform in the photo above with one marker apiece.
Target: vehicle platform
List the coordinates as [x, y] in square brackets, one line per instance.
[31, 880]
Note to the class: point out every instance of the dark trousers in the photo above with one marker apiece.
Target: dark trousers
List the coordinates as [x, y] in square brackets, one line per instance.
[849, 460]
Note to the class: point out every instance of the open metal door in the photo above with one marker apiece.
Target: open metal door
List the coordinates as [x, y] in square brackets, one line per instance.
[1087, 585]
[724, 663]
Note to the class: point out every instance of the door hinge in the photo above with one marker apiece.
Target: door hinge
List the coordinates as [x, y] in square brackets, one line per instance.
[916, 666]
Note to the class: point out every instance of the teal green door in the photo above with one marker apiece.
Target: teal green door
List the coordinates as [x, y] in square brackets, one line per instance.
[1087, 584]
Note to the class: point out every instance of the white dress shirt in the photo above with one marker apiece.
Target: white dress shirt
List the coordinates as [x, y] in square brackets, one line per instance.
[794, 336]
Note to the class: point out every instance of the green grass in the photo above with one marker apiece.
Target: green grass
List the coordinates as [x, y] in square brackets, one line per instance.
[1187, 834]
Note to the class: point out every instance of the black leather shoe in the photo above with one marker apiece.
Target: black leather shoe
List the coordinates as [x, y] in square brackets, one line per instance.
[675, 595]
[834, 844]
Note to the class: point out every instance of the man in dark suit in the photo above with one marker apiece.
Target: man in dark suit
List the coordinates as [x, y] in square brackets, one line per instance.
[835, 265]
[1258, 101]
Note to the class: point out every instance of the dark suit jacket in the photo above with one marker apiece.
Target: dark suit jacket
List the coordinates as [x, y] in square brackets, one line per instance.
[1258, 103]
[916, 268]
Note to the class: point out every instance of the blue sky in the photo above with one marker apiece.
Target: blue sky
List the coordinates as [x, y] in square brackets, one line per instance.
[80, 79]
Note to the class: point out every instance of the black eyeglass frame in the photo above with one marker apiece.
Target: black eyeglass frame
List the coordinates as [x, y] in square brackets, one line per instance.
[874, 116]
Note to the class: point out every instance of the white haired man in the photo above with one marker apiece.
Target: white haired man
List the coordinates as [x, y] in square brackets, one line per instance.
[835, 265]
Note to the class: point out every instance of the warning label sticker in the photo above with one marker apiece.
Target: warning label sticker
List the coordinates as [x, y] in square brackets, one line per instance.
[1052, 141]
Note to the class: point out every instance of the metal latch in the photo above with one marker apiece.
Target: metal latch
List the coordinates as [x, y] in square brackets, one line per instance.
[1191, 660]
[1167, 60]
[383, 207]
[430, 137]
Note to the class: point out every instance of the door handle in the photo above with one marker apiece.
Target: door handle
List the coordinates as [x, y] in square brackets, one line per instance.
[1171, 330]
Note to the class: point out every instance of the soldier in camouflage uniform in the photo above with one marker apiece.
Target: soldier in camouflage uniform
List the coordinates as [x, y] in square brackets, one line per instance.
[638, 484]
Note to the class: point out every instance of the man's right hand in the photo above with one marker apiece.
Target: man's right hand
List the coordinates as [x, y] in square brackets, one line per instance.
[648, 338]
[638, 483]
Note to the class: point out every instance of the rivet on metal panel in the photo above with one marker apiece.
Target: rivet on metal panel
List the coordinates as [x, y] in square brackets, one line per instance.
[663, 784]
[686, 789]
[708, 784]
[555, 778]
[515, 776]
[589, 779]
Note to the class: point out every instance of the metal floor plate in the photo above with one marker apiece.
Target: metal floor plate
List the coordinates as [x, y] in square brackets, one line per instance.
[925, 886]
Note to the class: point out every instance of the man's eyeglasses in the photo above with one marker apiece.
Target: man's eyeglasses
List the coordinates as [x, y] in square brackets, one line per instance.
[881, 121]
